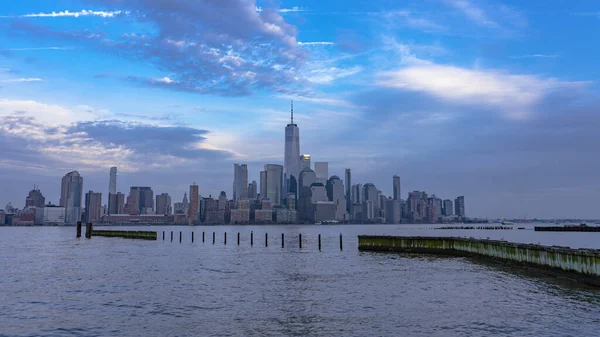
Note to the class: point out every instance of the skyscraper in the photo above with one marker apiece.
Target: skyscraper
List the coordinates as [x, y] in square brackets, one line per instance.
[397, 194]
[35, 198]
[448, 210]
[304, 162]
[322, 171]
[240, 182]
[252, 190]
[348, 185]
[112, 183]
[292, 152]
[93, 206]
[194, 207]
[459, 206]
[273, 177]
[116, 203]
[71, 193]
[336, 193]
[371, 195]
[163, 204]
[307, 178]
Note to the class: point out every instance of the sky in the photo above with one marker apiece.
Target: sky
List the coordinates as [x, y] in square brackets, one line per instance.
[494, 100]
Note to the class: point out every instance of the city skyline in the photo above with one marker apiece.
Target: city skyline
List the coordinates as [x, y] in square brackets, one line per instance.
[486, 99]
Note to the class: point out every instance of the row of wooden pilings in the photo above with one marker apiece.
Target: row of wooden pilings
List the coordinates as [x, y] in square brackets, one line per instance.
[251, 239]
[88, 230]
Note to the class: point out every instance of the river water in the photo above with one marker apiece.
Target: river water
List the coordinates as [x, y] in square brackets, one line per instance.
[52, 284]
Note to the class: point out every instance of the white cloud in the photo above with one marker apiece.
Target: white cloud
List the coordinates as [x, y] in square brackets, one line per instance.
[285, 10]
[52, 115]
[104, 14]
[514, 94]
[28, 79]
[316, 43]
[320, 100]
[165, 79]
[328, 75]
[473, 13]
[535, 56]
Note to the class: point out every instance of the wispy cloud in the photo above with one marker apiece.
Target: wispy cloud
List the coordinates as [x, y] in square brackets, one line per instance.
[104, 14]
[410, 20]
[328, 75]
[40, 48]
[473, 12]
[28, 79]
[534, 56]
[316, 43]
[285, 10]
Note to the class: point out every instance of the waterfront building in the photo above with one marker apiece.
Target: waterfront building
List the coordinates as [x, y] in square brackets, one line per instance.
[286, 216]
[323, 211]
[393, 210]
[265, 213]
[357, 212]
[194, 206]
[49, 215]
[163, 204]
[336, 194]
[348, 184]
[448, 209]
[182, 207]
[140, 200]
[273, 183]
[322, 172]
[459, 206]
[127, 219]
[71, 193]
[397, 194]
[240, 182]
[35, 198]
[368, 211]
[291, 155]
[116, 203]
[371, 194]
[3, 217]
[307, 178]
[435, 204]
[93, 207]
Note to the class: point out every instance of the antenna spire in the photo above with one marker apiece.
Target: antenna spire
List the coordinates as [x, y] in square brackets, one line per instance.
[292, 111]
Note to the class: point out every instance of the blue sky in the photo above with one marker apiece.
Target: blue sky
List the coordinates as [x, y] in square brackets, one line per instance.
[493, 100]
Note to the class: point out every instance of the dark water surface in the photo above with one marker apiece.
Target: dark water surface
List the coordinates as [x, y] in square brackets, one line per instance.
[52, 284]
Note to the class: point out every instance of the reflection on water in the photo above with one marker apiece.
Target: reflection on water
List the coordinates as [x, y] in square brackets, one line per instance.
[55, 285]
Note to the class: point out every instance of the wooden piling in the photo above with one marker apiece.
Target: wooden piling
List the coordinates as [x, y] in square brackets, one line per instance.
[180, 236]
[213, 238]
[163, 235]
[171, 236]
[266, 239]
[251, 238]
[300, 240]
[225, 238]
[282, 241]
[192, 237]
[319, 242]
[238, 238]
[88, 230]
[202, 237]
[341, 246]
[78, 229]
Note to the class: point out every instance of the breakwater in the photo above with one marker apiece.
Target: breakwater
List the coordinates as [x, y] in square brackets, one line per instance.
[567, 229]
[584, 262]
[145, 235]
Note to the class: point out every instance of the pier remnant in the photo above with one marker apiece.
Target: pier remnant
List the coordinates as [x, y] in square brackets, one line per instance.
[78, 229]
[145, 235]
[88, 230]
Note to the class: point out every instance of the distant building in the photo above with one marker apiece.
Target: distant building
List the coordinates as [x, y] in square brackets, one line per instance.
[71, 193]
[240, 182]
[336, 194]
[291, 155]
[322, 172]
[182, 207]
[93, 206]
[252, 190]
[116, 203]
[286, 216]
[307, 178]
[35, 198]
[194, 207]
[163, 204]
[112, 182]
[273, 183]
[397, 193]
[448, 209]
[348, 184]
[123, 219]
[3, 217]
[371, 195]
[304, 162]
[265, 213]
[139, 201]
[459, 206]
[323, 211]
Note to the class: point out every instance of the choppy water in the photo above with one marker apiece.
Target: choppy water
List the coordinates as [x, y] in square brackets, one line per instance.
[52, 284]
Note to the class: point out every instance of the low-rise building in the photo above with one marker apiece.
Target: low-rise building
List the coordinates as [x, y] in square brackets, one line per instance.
[324, 211]
[285, 215]
[50, 215]
[263, 216]
[134, 219]
[240, 216]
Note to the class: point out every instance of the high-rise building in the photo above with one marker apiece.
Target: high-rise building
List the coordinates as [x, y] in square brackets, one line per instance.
[448, 209]
[116, 203]
[35, 198]
[163, 204]
[263, 184]
[397, 194]
[304, 162]
[252, 190]
[273, 180]
[371, 195]
[240, 182]
[194, 207]
[112, 183]
[459, 206]
[348, 184]
[307, 178]
[322, 171]
[292, 153]
[93, 206]
[336, 194]
[392, 210]
[140, 201]
[71, 193]
[357, 190]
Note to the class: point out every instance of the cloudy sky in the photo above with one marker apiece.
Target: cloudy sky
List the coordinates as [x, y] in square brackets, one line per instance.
[496, 100]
